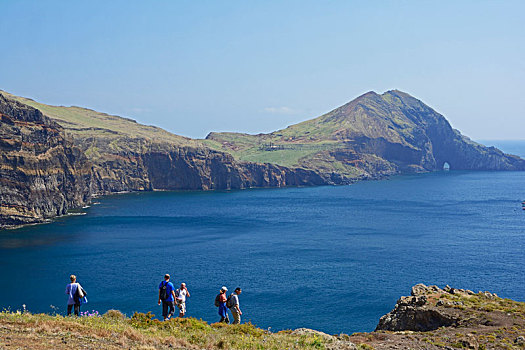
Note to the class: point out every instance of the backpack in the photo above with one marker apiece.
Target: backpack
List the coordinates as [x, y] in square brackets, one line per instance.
[229, 301]
[164, 291]
[80, 293]
[218, 300]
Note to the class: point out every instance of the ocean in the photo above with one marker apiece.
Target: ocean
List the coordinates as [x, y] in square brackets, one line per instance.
[330, 258]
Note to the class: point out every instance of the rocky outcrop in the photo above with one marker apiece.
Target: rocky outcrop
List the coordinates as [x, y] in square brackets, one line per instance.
[415, 313]
[430, 307]
[42, 174]
[448, 318]
[443, 144]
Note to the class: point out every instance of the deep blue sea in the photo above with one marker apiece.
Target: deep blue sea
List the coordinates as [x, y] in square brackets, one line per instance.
[330, 258]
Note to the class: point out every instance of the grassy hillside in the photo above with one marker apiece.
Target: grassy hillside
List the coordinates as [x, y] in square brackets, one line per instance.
[86, 123]
[371, 136]
[115, 331]
[313, 143]
[369, 115]
[478, 321]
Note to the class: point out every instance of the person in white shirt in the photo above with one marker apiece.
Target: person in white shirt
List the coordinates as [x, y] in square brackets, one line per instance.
[180, 298]
[233, 305]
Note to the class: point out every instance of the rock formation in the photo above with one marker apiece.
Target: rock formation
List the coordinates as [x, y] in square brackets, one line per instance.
[370, 137]
[448, 318]
[42, 174]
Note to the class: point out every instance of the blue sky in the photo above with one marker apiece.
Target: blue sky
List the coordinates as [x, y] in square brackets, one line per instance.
[193, 67]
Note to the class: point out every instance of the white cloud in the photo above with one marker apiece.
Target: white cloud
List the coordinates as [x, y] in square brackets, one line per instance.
[280, 110]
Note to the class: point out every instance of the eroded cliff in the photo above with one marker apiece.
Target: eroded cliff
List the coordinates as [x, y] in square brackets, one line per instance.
[42, 174]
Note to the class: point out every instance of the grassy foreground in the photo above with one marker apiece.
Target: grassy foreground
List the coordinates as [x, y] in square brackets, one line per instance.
[24, 330]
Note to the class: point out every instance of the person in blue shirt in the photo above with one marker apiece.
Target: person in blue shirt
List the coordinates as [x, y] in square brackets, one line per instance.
[167, 297]
[73, 300]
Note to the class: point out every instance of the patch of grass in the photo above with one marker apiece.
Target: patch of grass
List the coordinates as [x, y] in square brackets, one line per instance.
[142, 330]
[365, 346]
[481, 302]
[458, 345]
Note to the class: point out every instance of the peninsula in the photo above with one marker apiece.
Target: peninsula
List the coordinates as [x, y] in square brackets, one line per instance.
[55, 158]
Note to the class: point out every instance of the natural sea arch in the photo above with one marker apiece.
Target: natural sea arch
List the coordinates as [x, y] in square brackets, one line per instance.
[446, 166]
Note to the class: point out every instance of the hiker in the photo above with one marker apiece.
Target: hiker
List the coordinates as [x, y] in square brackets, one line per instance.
[220, 302]
[233, 305]
[180, 295]
[167, 296]
[75, 294]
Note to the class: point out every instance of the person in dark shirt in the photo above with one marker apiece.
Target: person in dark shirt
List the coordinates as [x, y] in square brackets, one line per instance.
[167, 297]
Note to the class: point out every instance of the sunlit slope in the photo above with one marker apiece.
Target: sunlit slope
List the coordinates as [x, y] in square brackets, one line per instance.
[85, 123]
[370, 136]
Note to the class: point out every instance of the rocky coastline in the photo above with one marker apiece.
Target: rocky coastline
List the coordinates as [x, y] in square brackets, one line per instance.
[53, 159]
[42, 174]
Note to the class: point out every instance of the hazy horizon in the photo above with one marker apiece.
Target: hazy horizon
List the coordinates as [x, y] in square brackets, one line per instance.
[192, 68]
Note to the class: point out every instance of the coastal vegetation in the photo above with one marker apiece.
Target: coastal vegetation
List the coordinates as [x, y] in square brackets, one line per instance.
[113, 330]
[431, 318]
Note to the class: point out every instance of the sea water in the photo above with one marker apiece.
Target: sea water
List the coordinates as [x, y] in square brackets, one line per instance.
[330, 258]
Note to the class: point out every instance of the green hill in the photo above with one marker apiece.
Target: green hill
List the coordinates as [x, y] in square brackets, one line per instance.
[371, 136]
[86, 123]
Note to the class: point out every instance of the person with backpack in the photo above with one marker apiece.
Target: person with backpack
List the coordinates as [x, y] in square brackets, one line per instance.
[220, 302]
[167, 297]
[233, 304]
[180, 295]
[75, 294]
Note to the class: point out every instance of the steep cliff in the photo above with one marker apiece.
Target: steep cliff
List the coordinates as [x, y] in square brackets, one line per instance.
[128, 156]
[41, 173]
[371, 136]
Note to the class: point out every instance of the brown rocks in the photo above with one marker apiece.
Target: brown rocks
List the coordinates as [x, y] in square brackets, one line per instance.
[449, 318]
[42, 174]
[414, 314]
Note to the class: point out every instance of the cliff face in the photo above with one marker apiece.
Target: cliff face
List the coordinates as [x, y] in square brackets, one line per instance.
[207, 169]
[369, 137]
[442, 144]
[128, 156]
[41, 173]
[169, 167]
